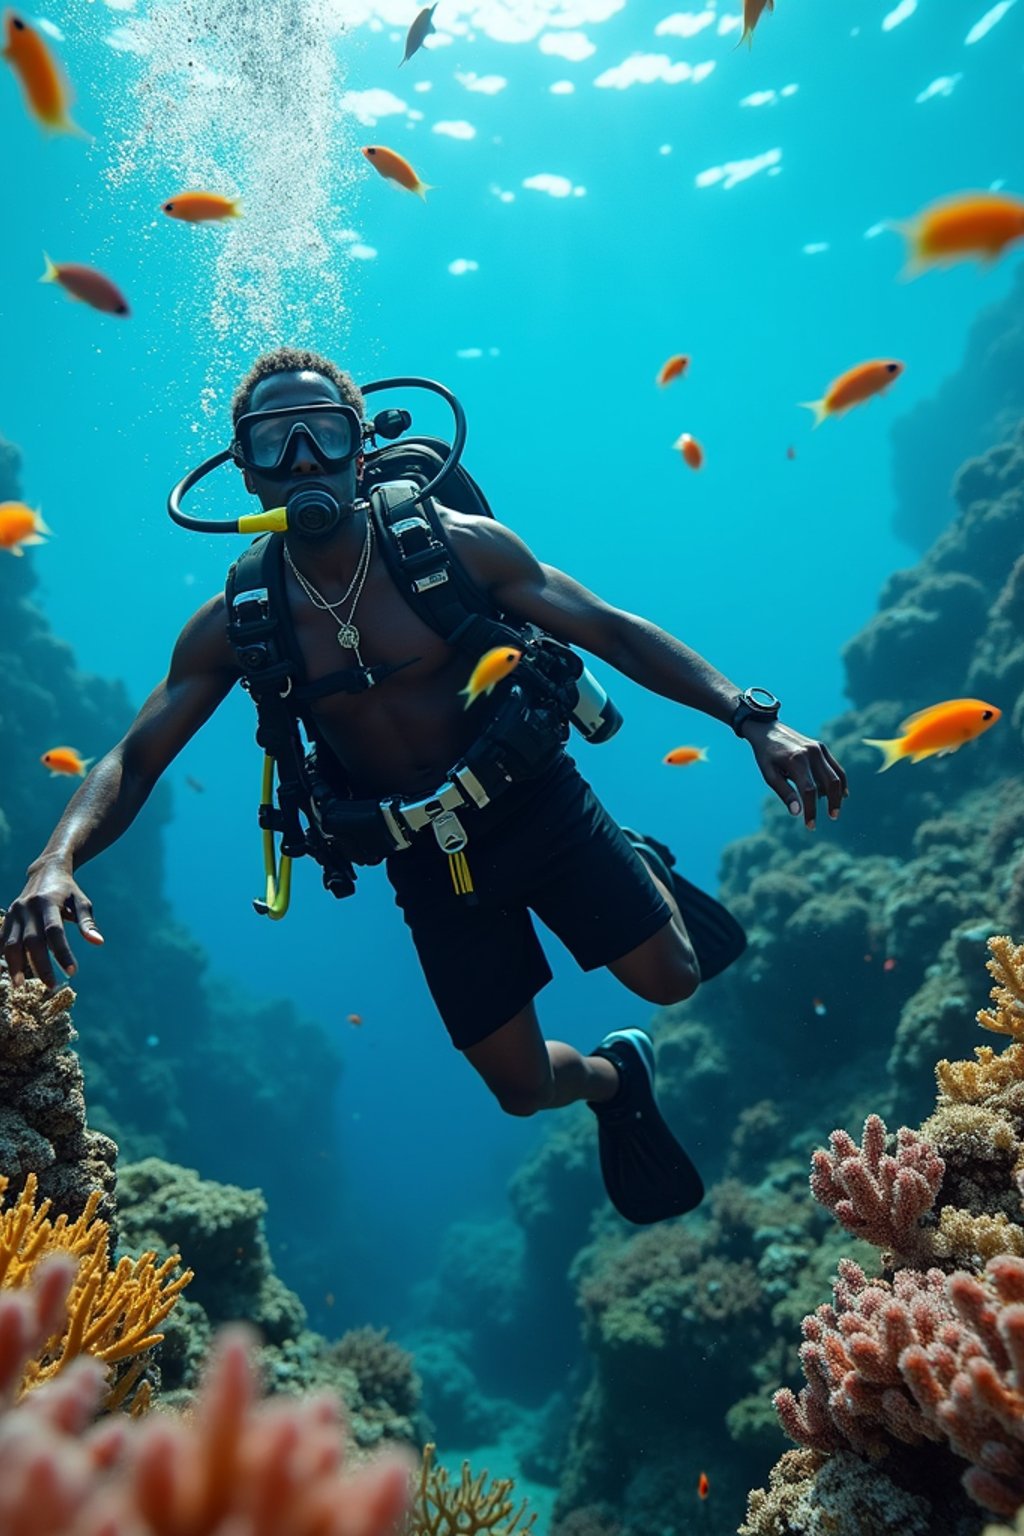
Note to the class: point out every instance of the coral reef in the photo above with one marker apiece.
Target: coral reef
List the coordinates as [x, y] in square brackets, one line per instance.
[42, 1102]
[472, 1506]
[110, 1314]
[864, 969]
[199, 1094]
[922, 1372]
[973, 408]
[267, 1469]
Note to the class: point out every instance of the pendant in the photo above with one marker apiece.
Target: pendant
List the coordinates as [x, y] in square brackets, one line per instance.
[348, 637]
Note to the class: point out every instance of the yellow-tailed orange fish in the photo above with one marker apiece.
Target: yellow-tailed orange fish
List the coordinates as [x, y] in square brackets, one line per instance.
[937, 730]
[87, 285]
[418, 32]
[493, 665]
[46, 87]
[978, 224]
[66, 760]
[690, 449]
[854, 387]
[672, 368]
[20, 525]
[752, 11]
[201, 207]
[681, 757]
[394, 167]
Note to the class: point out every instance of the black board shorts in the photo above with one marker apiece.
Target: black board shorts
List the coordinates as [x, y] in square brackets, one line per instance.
[547, 846]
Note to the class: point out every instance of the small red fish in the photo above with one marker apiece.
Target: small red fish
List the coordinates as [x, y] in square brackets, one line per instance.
[20, 525]
[394, 167]
[703, 1486]
[201, 207]
[936, 731]
[673, 368]
[355, 1018]
[690, 449]
[66, 760]
[889, 965]
[680, 757]
[854, 387]
[86, 284]
[492, 667]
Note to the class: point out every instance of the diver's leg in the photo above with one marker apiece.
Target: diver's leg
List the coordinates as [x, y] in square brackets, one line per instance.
[663, 969]
[527, 1073]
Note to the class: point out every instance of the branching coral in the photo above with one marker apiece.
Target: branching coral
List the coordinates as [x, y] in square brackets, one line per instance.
[238, 1465]
[1006, 965]
[967, 1082]
[875, 1195]
[384, 1370]
[469, 1508]
[112, 1314]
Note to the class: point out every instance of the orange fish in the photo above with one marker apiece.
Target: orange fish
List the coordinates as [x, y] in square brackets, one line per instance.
[87, 285]
[681, 756]
[978, 224]
[201, 207]
[42, 79]
[703, 1486]
[752, 11]
[20, 525]
[66, 760]
[355, 1018]
[494, 665]
[854, 387]
[394, 167]
[672, 368]
[690, 449]
[936, 731]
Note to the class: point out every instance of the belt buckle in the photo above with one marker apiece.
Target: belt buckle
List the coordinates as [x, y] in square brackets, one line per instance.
[449, 831]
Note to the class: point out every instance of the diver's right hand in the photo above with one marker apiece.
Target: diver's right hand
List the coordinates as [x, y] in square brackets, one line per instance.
[34, 924]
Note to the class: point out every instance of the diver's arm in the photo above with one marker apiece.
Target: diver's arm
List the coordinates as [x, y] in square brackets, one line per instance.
[201, 674]
[524, 588]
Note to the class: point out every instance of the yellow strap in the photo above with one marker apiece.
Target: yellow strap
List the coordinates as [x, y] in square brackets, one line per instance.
[462, 880]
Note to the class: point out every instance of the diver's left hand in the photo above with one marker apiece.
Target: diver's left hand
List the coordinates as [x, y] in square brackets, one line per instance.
[788, 760]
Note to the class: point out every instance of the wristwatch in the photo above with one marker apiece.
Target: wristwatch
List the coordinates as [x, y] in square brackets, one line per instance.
[754, 704]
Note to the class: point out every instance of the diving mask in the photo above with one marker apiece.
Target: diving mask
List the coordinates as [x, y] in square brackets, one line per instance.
[265, 440]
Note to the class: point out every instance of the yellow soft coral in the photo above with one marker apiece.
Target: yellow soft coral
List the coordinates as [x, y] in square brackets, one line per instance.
[113, 1314]
[1006, 965]
[968, 1082]
[467, 1509]
[973, 1240]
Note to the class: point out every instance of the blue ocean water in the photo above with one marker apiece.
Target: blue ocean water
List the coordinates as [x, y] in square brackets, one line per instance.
[612, 182]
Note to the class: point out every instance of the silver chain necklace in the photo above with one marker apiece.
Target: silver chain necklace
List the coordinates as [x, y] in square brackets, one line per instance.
[348, 635]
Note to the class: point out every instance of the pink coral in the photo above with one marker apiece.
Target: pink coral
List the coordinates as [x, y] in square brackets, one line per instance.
[238, 1465]
[927, 1357]
[875, 1195]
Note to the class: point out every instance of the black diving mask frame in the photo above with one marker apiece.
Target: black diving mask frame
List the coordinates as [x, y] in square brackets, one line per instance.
[265, 440]
[312, 509]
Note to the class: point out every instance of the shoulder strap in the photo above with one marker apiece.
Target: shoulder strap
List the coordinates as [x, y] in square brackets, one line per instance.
[429, 574]
[263, 637]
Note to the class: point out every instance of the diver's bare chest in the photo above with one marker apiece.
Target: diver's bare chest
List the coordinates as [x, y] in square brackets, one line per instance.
[390, 634]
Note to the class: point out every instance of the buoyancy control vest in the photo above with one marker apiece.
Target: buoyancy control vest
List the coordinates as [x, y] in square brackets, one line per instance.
[550, 688]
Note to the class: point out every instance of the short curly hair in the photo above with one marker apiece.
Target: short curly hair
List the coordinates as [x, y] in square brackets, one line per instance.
[295, 360]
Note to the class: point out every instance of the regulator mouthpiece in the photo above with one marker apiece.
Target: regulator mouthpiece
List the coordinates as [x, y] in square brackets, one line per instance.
[313, 512]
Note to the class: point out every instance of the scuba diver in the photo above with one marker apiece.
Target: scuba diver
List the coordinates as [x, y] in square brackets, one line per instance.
[354, 621]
